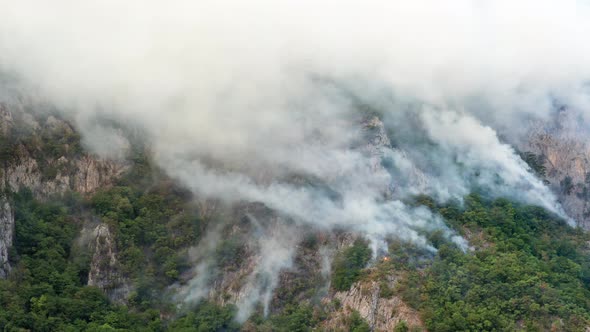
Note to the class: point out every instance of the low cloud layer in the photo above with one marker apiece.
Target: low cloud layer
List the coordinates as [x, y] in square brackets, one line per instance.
[273, 102]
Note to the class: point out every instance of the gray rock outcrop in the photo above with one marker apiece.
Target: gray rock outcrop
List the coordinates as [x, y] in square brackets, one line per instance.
[6, 235]
[105, 270]
[561, 146]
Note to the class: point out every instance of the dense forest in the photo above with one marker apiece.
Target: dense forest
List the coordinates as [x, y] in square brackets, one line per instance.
[525, 269]
[356, 166]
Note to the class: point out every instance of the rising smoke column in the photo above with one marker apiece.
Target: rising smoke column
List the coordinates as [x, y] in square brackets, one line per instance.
[234, 97]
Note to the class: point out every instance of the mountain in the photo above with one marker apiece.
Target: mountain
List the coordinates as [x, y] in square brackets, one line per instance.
[91, 243]
[294, 165]
[559, 146]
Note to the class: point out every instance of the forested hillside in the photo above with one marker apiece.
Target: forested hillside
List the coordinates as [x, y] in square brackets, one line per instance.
[96, 245]
[525, 269]
[382, 165]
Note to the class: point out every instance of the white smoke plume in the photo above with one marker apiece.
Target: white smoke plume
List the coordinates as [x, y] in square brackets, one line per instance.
[276, 249]
[237, 97]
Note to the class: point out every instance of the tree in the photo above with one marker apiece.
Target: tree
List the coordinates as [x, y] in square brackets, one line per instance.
[348, 265]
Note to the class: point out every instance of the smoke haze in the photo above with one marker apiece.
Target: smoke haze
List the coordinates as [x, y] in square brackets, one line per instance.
[234, 98]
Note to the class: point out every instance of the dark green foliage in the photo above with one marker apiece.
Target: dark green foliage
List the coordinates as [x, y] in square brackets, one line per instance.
[152, 227]
[230, 253]
[46, 290]
[294, 318]
[401, 327]
[7, 148]
[207, 317]
[385, 291]
[357, 324]
[533, 273]
[405, 255]
[567, 185]
[348, 264]
[41, 226]
[535, 162]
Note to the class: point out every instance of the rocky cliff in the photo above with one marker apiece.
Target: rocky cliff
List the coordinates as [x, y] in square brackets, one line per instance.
[306, 279]
[243, 268]
[105, 270]
[381, 313]
[6, 234]
[84, 174]
[560, 147]
[43, 154]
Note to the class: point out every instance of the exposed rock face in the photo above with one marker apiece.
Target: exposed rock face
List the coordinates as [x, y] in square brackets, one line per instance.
[105, 272]
[382, 314]
[37, 157]
[57, 174]
[376, 143]
[376, 139]
[33, 155]
[84, 175]
[308, 277]
[235, 282]
[6, 234]
[565, 153]
[95, 173]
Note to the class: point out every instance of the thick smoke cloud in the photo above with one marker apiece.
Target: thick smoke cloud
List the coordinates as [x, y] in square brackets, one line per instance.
[240, 101]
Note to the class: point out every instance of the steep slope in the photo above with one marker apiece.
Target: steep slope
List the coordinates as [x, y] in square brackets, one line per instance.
[6, 235]
[247, 272]
[44, 154]
[140, 240]
[381, 313]
[105, 269]
[560, 147]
